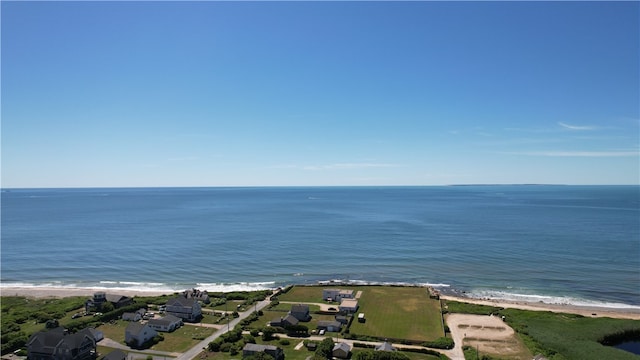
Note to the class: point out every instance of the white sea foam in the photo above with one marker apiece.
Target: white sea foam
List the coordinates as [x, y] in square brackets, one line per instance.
[547, 299]
[110, 285]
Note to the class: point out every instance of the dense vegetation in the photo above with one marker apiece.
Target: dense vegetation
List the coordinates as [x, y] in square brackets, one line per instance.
[561, 336]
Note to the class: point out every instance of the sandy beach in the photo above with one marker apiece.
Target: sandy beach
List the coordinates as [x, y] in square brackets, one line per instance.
[539, 306]
[54, 292]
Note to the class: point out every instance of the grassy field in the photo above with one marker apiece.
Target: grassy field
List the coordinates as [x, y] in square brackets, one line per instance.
[399, 313]
[561, 336]
[391, 312]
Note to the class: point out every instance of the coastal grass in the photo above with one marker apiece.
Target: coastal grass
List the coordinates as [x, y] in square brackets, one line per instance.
[560, 335]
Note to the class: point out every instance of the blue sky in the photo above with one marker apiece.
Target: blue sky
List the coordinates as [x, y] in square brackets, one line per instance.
[101, 94]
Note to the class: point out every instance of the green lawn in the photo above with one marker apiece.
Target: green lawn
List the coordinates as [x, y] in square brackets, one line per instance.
[391, 312]
[399, 313]
[183, 338]
[180, 340]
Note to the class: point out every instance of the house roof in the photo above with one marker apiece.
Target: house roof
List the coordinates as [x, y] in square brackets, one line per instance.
[352, 303]
[342, 346]
[135, 328]
[181, 301]
[115, 298]
[300, 308]
[47, 341]
[327, 323]
[259, 347]
[290, 319]
[385, 346]
[115, 355]
[167, 320]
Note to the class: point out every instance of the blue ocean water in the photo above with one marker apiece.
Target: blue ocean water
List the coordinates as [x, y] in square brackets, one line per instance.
[571, 244]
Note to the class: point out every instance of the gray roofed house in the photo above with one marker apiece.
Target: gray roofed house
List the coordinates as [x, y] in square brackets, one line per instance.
[385, 346]
[115, 355]
[186, 309]
[300, 312]
[252, 349]
[167, 324]
[57, 344]
[331, 326]
[137, 334]
[341, 350]
[288, 320]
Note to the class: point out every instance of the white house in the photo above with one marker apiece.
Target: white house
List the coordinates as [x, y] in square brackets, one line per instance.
[348, 306]
[336, 294]
[136, 334]
[165, 324]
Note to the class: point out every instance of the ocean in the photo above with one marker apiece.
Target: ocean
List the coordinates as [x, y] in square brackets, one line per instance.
[556, 244]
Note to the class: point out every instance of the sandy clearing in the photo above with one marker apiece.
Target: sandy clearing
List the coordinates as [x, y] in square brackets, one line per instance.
[488, 334]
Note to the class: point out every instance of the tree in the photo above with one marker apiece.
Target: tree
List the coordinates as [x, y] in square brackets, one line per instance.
[267, 333]
[325, 349]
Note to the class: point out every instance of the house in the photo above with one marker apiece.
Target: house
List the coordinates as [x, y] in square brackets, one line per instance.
[134, 316]
[341, 350]
[348, 306]
[166, 324]
[288, 320]
[137, 334]
[198, 295]
[97, 334]
[115, 355]
[253, 349]
[336, 294]
[187, 309]
[99, 298]
[342, 319]
[330, 326]
[57, 344]
[385, 346]
[300, 312]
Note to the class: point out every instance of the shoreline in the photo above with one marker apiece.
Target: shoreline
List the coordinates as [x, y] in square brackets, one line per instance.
[587, 311]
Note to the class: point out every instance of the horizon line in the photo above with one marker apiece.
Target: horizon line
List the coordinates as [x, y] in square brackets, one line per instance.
[298, 186]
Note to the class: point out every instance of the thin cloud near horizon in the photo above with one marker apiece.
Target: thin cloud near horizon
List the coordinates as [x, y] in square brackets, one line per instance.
[576, 127]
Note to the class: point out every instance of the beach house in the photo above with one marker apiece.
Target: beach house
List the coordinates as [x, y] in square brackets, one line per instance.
[341, 350]
[188, 309]
[253, 349]
[348, 306]
[300, 312]
[137, 334]
[285, 321]
[58, 344]
[336, 294]
[165, 324]
[329, 326]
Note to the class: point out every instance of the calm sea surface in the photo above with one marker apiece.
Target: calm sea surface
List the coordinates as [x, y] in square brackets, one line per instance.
[570, 244]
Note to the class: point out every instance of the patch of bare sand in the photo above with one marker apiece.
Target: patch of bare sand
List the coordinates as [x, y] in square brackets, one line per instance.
[488, 334]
